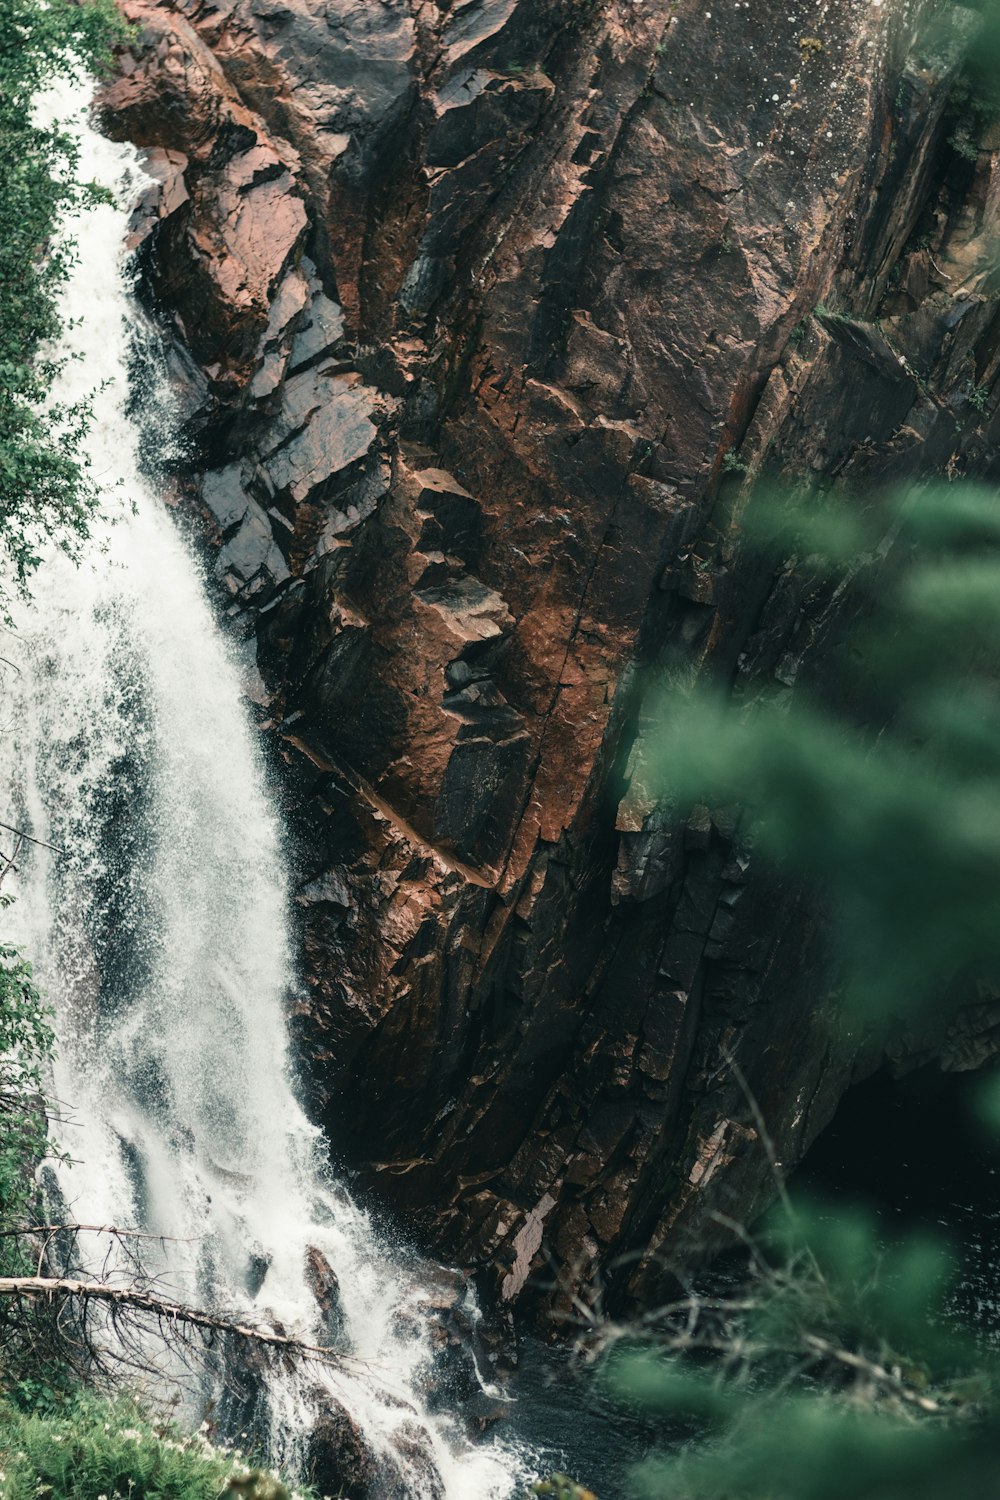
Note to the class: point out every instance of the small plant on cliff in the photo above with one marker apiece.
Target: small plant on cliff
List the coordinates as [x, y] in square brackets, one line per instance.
[964, 42]
[963, 142]
[560, 1487]
[46, 493]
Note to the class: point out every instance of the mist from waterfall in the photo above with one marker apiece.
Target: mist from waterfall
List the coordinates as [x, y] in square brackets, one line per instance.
[161, 935]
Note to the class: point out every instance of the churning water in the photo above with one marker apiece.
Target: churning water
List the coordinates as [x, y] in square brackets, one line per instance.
[161, 935]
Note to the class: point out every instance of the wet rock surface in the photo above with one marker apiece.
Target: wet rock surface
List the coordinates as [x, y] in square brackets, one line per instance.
[481, 319]
[325, 1286]
[340, 1458]
[342, 1461]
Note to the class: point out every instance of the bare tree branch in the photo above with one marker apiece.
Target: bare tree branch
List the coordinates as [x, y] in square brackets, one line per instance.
[10, 858]
[875, 1372]
[40, 842]
[763, 1133]
[132, 1234]
[129, 1299]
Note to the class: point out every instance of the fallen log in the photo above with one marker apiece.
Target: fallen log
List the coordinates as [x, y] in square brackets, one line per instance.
[131, 1299]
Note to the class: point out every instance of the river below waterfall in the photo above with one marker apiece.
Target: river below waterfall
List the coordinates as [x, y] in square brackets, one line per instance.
[161, 937]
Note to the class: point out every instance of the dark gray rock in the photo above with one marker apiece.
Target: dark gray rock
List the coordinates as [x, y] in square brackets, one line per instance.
[252, 550]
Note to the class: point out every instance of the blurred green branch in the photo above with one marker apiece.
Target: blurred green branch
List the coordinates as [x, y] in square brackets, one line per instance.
[833, 1368]
[880, 783]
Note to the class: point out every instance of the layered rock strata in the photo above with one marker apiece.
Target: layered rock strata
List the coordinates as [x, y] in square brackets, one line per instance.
[481, 317]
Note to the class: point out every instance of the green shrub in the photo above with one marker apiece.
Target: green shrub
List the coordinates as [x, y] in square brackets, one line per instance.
[830, 1371]
[102, 1450]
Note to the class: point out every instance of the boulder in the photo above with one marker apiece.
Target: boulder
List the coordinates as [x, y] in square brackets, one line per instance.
[340, 1459]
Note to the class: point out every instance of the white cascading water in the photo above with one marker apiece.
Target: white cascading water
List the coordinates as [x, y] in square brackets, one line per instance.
[161, 934]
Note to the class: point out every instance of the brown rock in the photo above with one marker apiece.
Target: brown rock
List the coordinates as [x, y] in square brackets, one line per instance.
[325, 1287]
[224, 238]
[563, 261]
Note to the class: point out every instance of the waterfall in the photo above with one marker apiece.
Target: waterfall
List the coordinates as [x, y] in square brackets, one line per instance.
[161, 934]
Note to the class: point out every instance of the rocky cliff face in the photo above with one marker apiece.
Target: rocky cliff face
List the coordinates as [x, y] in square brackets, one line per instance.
[481, 317]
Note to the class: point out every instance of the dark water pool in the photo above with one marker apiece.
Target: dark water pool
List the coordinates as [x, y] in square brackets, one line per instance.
[913, 1152]
[565, 1413]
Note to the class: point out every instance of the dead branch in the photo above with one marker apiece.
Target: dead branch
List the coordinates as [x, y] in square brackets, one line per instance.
[132, 1234]
[718, 1324]
[877, 1373]
[763, 1133]
[9, 828]
[10, 858]
[126, 1299]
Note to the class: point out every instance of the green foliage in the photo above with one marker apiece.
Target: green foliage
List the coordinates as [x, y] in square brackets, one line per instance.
[34, 1369]
[892, 807]
[963, 142]
[961, 44]
[95, 1450]
[836, 1370]
[805, 1447]
[837, 1282]
[26, 1043]
[46, 493]
[802, 1382]
[46, 496]
[46, 1392]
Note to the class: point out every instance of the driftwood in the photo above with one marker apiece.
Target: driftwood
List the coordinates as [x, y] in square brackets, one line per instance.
[133, 1300]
